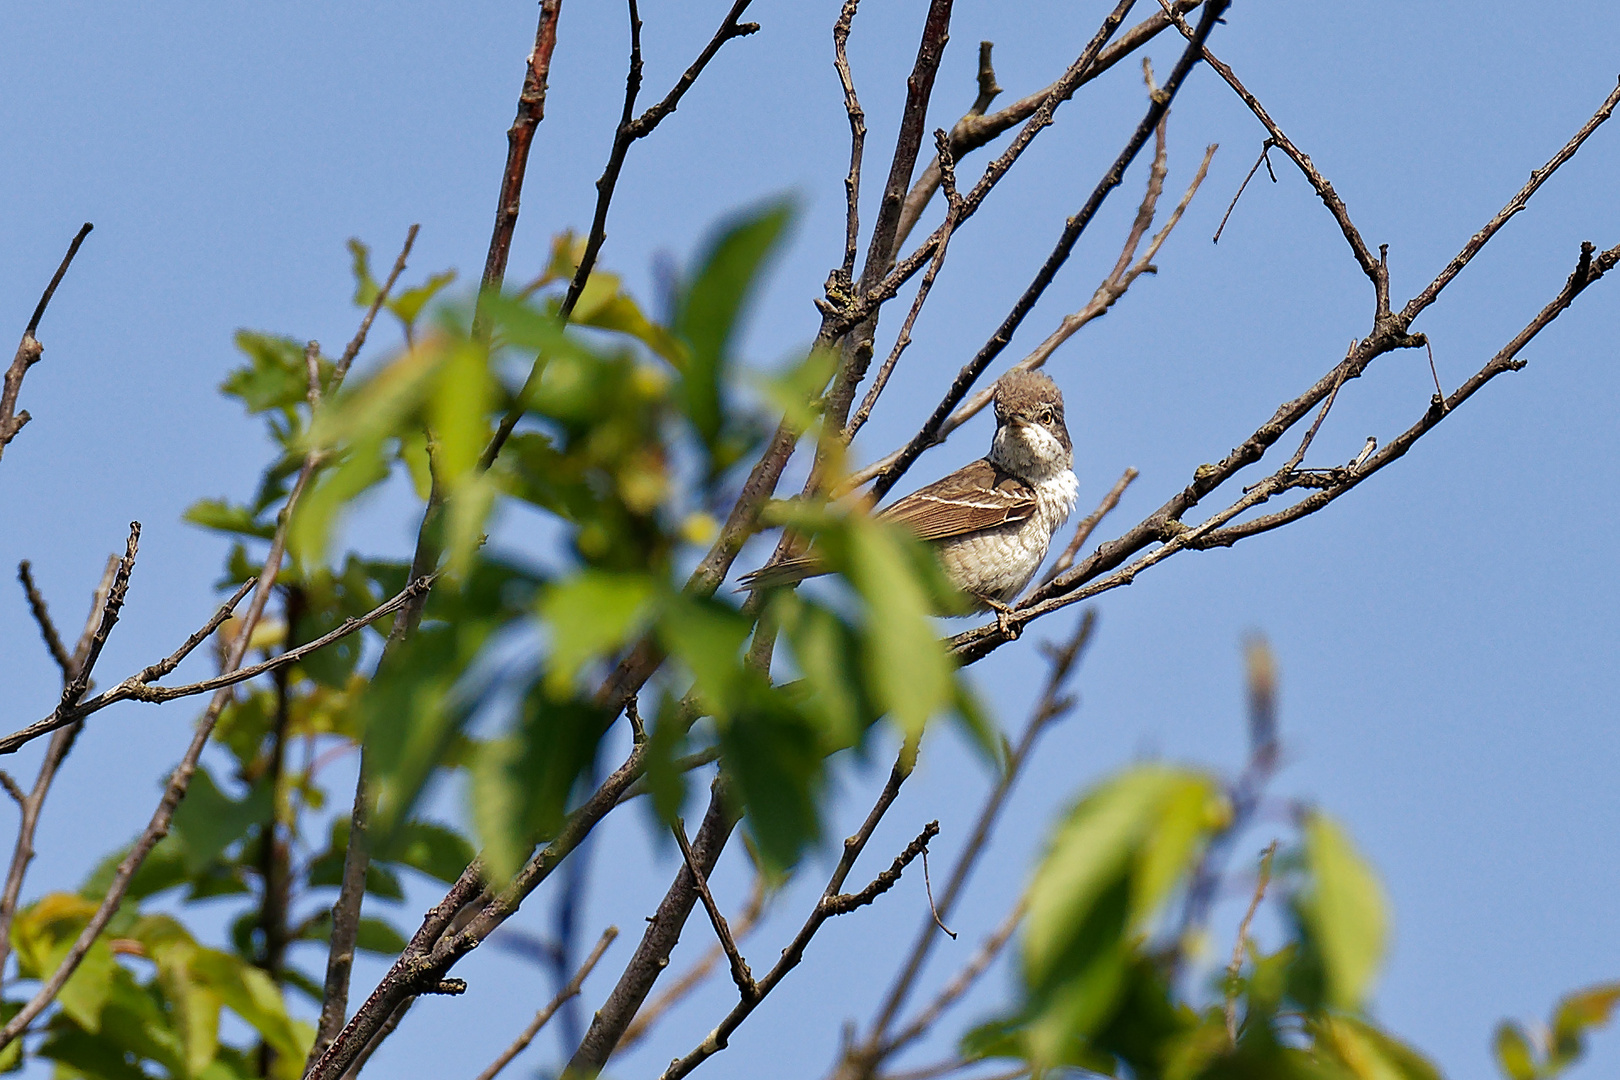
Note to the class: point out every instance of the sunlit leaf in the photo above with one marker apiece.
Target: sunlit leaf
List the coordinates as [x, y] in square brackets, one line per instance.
[908, 669]
[1513, 1054]
[223, 516]
[407, 304]
[1370, 1054]
[708, 308]
[209, 821]
[1108, 868]
[1343, 913]
[589, 615]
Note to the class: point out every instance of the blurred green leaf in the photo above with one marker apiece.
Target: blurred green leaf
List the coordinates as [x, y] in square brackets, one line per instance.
[1370, 1054]
[276, 376]
[1513, 1054]
[521, 781]
[407, 304]
[208, 820]
[707, 636]
[1342, 913]
[604, 304]
[830, 654]
[1576, 1015]
[222, 516]
[1106, 871]
[777, 756]
[708, 308]
[436, 850]
[590, 615]
[365, 286]
[908, 670]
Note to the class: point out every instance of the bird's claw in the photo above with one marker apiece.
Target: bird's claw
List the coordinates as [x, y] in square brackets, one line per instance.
[1005, 624]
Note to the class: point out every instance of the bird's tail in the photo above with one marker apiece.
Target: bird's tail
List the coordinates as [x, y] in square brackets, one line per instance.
[787, 572]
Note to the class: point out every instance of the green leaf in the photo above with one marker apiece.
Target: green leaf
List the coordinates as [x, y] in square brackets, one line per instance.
[1106, 871]
[87, 988]
[604, 304]
[777, 757]
[1576, 1015]
[436, 850]
[458, 412]
[707, 636]
[708, 308]
[1513, 1054]
[208, 821]
[830, 655]
[909, 672]
[251, 995]
[408, 304]
[589, 615]
[521, 781]
[221, 516]
[1343, 913]
[1370, 1054]
[276, 376]
[365, 286]
[796, 392]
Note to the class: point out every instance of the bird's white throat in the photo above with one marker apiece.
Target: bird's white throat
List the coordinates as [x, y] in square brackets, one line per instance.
[1029, 452]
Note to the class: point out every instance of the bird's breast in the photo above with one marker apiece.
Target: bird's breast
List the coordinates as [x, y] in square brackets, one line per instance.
[998, 563]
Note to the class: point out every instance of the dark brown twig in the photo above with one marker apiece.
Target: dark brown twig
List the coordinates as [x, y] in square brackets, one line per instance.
[1053, 704]
[978, 128]
[531, 109]
[569, 990]
[631, 128]
[857, 138]
[954, 204]
[831, 903]
[1264, 158]
[136, 688]
[678, 990]
[746, 986]
[32, 804]
[29, 350]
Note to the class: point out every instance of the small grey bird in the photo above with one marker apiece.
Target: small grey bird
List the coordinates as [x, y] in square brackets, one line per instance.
[992, 520]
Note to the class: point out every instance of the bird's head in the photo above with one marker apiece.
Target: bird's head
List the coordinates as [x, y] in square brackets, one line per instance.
[1032, 440]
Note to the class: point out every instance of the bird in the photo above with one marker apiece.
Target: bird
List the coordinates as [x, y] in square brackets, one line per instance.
[991, 521]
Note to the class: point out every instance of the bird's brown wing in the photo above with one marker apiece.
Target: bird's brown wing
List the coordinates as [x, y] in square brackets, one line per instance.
[971, 499]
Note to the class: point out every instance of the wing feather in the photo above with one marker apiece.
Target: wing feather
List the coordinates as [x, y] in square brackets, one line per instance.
[974, 498]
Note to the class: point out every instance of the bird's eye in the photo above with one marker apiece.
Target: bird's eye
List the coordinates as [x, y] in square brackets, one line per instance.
[1046, 415]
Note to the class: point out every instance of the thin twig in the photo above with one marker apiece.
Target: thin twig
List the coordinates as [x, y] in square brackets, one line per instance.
[352, 349]
[1261, 881]
[1054, 703]
[739, 967]
[531, 109]
[42, 616]
[1072, 230]
[978, 128]
[831, 903]
[570, 989]
[135, 687]
[962, 982]
[650, 1013]
[630, 128]
[954, 202]
[857, 138]
[29, 350]
[32, 805]
[933, 909]
[1265, 158]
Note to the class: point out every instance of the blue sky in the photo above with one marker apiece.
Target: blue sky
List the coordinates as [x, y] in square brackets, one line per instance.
[1444, 633]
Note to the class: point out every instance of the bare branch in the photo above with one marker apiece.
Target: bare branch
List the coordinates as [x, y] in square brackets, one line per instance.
[32, 805]
[531, 109]
[739, 967]
[857, 139]
[655, 1008]
[42, 616]
[1071, 233]
[569, 990]
[977, 129]
[29, 350]
[135, 687]
[831, 903]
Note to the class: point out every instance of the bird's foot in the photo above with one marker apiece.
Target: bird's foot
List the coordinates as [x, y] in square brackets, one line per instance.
[1008, 628]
